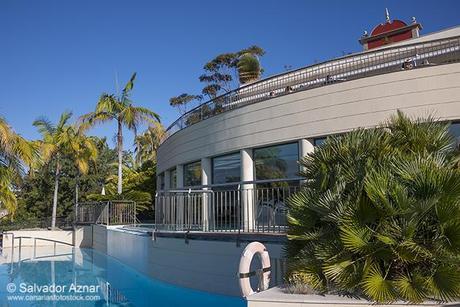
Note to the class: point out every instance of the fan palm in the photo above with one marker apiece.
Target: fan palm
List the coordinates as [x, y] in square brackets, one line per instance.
[379, 215]
[64, 139]
[111, 107]
[15, 153]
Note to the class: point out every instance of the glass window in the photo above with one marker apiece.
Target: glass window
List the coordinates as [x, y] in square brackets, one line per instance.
[162, 181]
[454, 130]
[173, 178]
[319, 141]
[192, 174]
[276, 162]
[226, 168]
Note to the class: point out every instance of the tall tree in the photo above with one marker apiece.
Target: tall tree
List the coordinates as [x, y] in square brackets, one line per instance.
[180, 102]
[35, 194]
[55, 143]
[221, 72]
[121, 109]
[83, 152]
[65, 140]
[15, 153]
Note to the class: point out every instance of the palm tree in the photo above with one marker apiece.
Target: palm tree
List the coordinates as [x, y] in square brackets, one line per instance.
[15, 153]
[248, 67]
[120, 108]
[63, 139]
[379, 214]
[147, 143]
[83, 151]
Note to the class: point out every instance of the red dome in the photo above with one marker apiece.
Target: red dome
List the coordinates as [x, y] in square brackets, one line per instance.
[388, 26]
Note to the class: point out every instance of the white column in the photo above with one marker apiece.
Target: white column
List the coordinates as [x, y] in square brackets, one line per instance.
[179, 204]
[206, 173]
[305, 147]
[247, 190]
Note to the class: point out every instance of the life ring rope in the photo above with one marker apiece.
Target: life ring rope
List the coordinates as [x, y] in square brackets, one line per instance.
[253, 273]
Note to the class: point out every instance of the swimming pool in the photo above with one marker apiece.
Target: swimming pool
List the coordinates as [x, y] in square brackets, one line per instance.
[85, 277]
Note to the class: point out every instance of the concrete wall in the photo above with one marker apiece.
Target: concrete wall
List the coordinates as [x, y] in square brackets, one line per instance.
[207, 265]
[58, 235]
[318, 112]
[99, 238]
[80, 237]
[83, 236]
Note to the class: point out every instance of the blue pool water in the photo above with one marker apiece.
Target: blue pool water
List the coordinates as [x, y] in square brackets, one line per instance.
[84, 277]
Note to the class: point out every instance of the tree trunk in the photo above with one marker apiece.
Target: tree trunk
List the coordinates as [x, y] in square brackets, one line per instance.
[120, 156]
[55, 196]
[77, 183]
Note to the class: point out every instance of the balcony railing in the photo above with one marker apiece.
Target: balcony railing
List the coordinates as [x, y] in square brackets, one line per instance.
[248, 208]
[361, 65]
[106, 213]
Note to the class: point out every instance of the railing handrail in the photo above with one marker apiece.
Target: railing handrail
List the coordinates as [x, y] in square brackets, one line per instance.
[237, 210]
[368, 54]
[230, 184]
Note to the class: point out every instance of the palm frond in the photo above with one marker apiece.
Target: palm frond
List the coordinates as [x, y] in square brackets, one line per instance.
[378, 287]
[444, 283]
[44, 126]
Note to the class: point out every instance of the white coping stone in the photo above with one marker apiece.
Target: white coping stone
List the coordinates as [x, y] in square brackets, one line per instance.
[277, 297]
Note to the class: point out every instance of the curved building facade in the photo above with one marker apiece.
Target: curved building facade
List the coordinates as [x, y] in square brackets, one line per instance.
[307, 115]
[253, 136]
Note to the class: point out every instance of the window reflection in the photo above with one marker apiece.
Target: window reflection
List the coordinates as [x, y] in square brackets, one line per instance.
[454, 129]
[276, 162]
[192, 174]
[226, 168]
[319, 141]
[173, 178]
[162, 181]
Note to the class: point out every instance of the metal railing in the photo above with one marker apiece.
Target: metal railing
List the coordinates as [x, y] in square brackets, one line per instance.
[248, 207]
[107, 213]
[352, 67]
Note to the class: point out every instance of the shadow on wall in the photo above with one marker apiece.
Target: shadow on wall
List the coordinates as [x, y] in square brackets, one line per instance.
[207, 265]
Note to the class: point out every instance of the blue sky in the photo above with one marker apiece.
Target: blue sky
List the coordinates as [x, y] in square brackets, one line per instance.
[61, 55]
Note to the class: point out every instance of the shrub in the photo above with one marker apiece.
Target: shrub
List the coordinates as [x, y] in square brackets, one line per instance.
[379, 214]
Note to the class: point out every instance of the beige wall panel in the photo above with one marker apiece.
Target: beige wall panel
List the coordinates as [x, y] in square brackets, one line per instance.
[318, 112]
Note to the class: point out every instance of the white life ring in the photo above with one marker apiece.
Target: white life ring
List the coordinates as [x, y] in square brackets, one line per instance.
[263, 273]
